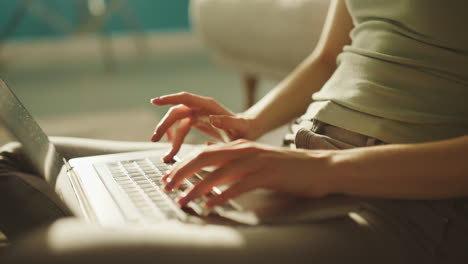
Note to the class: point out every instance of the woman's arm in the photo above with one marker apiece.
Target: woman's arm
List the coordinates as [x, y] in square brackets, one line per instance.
[292, 96]
[288, 100]
[415, 171]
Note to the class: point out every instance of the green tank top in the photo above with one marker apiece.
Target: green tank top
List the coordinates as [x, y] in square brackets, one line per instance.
[404, 78]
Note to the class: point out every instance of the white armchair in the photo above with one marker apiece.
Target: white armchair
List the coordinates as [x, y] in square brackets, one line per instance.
[259, 38]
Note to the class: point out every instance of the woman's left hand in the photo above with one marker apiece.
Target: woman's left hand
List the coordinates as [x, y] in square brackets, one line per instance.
[248, 165]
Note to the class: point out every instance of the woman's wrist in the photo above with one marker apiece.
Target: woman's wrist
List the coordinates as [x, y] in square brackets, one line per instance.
[323, 173]
[257, 126]
[340, 166]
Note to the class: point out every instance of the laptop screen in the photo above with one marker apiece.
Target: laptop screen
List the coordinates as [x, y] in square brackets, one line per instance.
[21, 127]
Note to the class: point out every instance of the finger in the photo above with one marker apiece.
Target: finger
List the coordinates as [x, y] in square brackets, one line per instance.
[173, 115]
[193, 101]
[208, 130]
[165, 178]
[226, 174]
[182, 131]
[213, 156]
[182, 171]
[246, 184]
[214, 147]
[214, 144]
[170, 132]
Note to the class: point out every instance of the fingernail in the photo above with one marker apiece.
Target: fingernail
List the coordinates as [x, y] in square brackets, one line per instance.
[181, 200]
[167, 157]
[156, 100]
[164, 178]
[168, 187]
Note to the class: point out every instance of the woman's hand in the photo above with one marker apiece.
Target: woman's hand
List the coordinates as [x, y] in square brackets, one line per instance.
[248, 165]
[203, 113]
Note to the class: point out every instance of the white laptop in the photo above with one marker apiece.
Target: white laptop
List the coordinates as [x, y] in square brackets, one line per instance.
[126, 188]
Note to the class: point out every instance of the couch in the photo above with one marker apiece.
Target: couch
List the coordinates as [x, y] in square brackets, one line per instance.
[260, 39]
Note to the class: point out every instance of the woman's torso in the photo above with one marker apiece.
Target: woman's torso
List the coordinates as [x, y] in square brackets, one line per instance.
[404, 78]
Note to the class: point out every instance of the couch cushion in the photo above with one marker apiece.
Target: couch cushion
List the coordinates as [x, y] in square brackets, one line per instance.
[260, 33]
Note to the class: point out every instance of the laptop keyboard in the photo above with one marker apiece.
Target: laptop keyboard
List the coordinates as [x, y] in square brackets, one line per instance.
[142, 181]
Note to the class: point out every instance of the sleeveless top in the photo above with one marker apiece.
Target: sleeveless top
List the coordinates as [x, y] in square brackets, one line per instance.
[404, 78]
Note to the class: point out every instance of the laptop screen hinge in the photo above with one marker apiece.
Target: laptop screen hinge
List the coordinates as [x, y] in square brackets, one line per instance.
[85, 206]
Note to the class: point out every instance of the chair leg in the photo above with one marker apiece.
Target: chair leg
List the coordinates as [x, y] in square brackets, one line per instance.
[250, 87]
[107, 53]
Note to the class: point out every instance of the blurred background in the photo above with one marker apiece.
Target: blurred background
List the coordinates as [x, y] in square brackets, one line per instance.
[88, 68]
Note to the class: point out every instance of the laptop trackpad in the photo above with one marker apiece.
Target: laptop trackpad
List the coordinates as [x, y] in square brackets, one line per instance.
[269, 207]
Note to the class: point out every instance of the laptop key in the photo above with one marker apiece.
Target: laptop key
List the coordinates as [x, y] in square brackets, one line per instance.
[141, 181]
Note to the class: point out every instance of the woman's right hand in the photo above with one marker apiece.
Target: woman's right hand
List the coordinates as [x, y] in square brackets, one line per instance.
[203, 113]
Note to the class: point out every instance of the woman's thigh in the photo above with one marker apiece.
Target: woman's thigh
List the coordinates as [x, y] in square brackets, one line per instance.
[340, 240]
[383, 236]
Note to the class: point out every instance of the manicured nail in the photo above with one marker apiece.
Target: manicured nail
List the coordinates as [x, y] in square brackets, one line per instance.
[156, 137]
[155, 100]
[167, 158]
[168, 187]
[166, 178]
[181, 200]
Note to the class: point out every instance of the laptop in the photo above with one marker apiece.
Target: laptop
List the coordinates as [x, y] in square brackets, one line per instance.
[126, 188]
